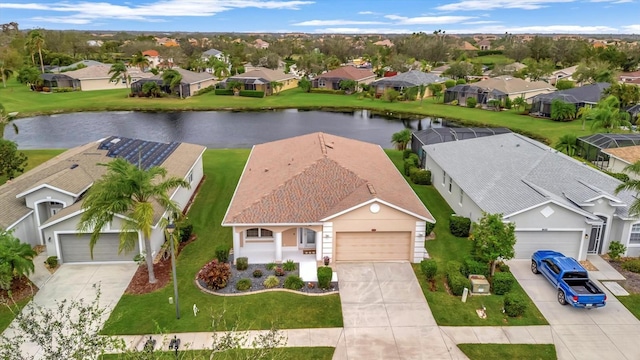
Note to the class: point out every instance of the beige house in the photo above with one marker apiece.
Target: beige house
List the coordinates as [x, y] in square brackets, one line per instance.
[562, 74]
[44, 205]
[324, 195]
[497, 88]
[191, 83]
[97, 77]
[331, 79]
[621, 157]
[260, 79]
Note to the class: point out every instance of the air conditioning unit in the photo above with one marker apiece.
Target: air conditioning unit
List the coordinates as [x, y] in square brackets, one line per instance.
[479, 285]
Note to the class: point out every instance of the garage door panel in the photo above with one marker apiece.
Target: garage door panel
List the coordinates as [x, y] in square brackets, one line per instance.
[566, 242]
[368, 246]
[75, 248]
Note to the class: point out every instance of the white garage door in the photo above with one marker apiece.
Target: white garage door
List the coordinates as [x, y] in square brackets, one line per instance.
[566, 242]
[373, 246]
[75, 248]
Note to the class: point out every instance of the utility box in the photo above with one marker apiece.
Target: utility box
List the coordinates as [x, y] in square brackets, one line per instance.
[479, 285]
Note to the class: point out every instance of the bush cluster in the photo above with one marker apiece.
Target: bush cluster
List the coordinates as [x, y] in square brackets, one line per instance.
[52, 261]
[472, 267]
[429, 268]
[457, 282]
[449, 84]
[616, 249]
[185, 229]
[243, 284]
[514, 305]
[289, 265]
[208, 89]
[223, 91]
[215, 274]
[251, 93]
[459, 226]
[421, 177]
[429, 228]
[271, 282]
[257, 273]
[406, 153]
[632, 265]
[222, 253]
[620, 176]
[242, 263]
[293, 282]
[324, 276]
[502, 282]
[271, 266]
[472, 102]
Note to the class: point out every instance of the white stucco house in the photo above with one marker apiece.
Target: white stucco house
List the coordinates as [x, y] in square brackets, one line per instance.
[555, 201]
[44, 205]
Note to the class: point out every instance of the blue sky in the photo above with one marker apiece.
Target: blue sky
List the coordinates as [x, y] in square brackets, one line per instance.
[329, 16]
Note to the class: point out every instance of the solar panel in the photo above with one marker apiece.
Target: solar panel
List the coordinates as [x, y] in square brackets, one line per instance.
[147, 153]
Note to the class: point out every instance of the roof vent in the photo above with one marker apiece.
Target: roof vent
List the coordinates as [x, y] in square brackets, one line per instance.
[73, 166]
[266, 170]
[372, 190]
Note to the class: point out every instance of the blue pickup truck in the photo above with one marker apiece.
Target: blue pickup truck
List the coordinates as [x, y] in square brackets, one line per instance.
[570, 279]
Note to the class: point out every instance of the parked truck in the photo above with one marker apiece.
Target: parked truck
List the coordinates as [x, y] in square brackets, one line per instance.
[570, 279]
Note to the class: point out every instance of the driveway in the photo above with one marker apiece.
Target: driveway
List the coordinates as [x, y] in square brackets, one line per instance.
[610, 332]
[386, 315]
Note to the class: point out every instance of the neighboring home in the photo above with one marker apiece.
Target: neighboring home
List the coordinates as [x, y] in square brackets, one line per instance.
[44, 205]
[260, 44]
[466, 46]
[562, 74]
[155, 60]
[331, 79]
[98, 78]
[216, 54]
[630, 77]
[554, 201]
[94, 43]
[385, 42]
[592, 147]
[497, 88]
[634, 111]
[54, 81]
[406, 80]
[73, 66]
[191, 82]
[440, 69]
[619, 158]
[260, 79]
[587, 95]
[484, 44]
[430, 136]
[325, 195]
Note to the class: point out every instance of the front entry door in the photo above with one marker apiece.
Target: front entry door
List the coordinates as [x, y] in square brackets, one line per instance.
[307, 238]
[597, 236]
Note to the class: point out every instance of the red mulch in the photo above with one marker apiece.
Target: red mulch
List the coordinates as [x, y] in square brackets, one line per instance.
[162, 269]
[21, 289]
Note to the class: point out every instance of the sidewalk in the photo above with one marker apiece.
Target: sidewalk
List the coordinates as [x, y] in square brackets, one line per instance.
[41, 274]
[605, 271]
[539, 334]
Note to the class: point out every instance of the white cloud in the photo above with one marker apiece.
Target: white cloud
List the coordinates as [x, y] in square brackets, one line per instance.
[632, 28]
[367, 13]
[546, 29]
[353, 30]
[428, 20]
[336, 23]
[481, 22]
[483, 5]
[612, 1]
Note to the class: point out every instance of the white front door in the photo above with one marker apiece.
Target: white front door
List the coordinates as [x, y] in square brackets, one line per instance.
[306, 238]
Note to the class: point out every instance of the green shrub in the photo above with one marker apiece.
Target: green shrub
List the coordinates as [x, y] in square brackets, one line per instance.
[502, 282]
[508, 104]
[215, 274]
[327, 91]
[406, 153]
[223, 91]
[222, 253]
[461, 82]
[186, 229]
[293, 282]
[429, 268]
[565, 84]
[412, 172]
[6, 276]
[503, 267]
[416, 160]
[616, 249]
[52, 261]
[449, 83]
[459, 226]
[243, 284]
[514, 305]
[251, 93]
[454, 102]
[408, 165]
[421, 177]
[429, 228]
[472, 102]
[289, 265]
[473, 267]
[208, 89]
[257, 273]
[620, 176]
[457, 282]
[271, 282]
[271, 266]
[242, 263]
[324, 276]
[632, 265]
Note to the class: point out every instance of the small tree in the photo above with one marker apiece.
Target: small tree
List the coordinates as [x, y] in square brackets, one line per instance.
[562, 111]
[391, 95]
[276, 86]
[401, 139]
[151, 89]
[348, 86]
[304, 84]
[11, 160]
[519, 103]
[235, 85]
[493, 239]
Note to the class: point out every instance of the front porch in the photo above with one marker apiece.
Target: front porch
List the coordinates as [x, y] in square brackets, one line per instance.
[308, 265]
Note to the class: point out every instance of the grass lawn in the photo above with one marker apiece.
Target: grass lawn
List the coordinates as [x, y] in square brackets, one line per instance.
[16, 97]
[632, 302]
[7, 314]
[152, 313]
[293, 353]
[448, 310]
[35, 158]
[496, 59]
[509, 351]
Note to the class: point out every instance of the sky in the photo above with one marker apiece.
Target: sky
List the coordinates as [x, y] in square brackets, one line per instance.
[329, 16]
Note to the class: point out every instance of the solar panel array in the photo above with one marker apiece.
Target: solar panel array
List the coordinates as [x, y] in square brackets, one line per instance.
[136, 151]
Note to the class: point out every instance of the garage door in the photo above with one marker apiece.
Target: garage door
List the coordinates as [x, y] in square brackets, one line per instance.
[370, 246]
[75, 248]
[566, 242]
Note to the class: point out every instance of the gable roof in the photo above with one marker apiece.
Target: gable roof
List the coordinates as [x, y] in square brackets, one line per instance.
[151, 53]
[438, 135]
[628, 154]
[512, 85]
[510, 173]
[568, 71]
[212, 52]
[267, 75]
[409, 79]
[588, 94]
[188, 77]
[75, 65]
[308, 178]
[347, 72]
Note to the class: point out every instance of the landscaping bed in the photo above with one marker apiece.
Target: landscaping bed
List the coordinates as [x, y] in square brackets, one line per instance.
[632, 284]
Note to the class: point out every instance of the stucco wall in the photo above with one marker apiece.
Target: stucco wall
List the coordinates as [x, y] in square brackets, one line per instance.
[617, 166]
[26, 231]
[101, 84]
[182, 195]
[194, 88]
[48, 195]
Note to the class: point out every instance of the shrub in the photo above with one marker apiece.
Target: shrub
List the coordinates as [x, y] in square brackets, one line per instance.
[215, 274]
[454, 102]
[257, 273]
[186, 229]
[616, 249]
[293, 282]
[6, 276]
[457, 282]
[459, 226]
[52, 261]
[412, 172]
[408, 165]
[251, 93]
[208, 89]
[473, 267]
[514, 305]
[243, 284]
[271, 266]
[429, 228]
[289, 265]
[271, 282]
[620, 176]
[222, 253]
[449, 83]
[278, 271]
[390, 95]
[632, 265]
[565, 84]
[472, 102]
[223, 91]
[508, 104]
[327, 91]
[503, 267]
[416, 160]
[324, 276]
[421, 177]
[461, 82]
[242, 263]
[502, 282]
[429, 268]
[406, 153]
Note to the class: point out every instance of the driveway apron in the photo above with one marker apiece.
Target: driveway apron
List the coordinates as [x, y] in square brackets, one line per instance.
[386, 315]
[608, 333]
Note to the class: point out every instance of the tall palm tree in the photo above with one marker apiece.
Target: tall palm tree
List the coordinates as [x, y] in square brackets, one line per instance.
[17, 254]
[128, 190]
[36, 40]
[172, 78]
[5, 72]
[584, 113]
[219, 67]
[519, 103]
[632, 185]
[6, 119]
[401, 139]
[119, 71]
[567, 144]
[608, 116]
[139, 60]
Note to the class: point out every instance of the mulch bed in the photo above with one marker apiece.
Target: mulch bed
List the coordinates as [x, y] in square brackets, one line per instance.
[162, 269]
[21, 289]
[632, 284]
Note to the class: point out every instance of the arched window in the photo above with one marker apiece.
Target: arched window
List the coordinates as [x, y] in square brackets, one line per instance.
[258, 233]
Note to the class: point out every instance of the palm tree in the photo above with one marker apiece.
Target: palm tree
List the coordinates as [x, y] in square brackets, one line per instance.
[139, 60]
[119, 71]
[5, 72]
[562, 111]
[584, 113]
[567, 144]
[151, 88]
[234, 85]
[128, 190]
[276, 86]
[36, 40]
[219, 67]
[172, 78]
[17, 254]
[632, 185]
[6, 119]
[607, 115]
[401, 139]
[519, 103]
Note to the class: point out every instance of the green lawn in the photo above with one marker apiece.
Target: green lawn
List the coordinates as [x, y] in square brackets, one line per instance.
[631, 302]
[448, 310]
[16, 97]
[293, 353]
[496, 59]
[151, 313]
[509, 351]
[7, 314]
[35, 158]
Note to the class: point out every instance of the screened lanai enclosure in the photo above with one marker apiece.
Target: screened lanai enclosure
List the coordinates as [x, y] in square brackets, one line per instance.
[462, 92]
[590, 147]
[587, 95]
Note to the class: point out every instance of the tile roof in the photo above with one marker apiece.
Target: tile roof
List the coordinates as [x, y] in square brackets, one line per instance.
[102, 72]
[410, 78]
[307, 178]
[264, 73]
[508, 173]
[629, 154]
[512, 85]
[150, 53]
[347, 72]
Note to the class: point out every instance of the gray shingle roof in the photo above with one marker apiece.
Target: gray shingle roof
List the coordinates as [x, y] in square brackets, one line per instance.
[410, 78]
[590, 94]
[212, 52]
[508, 173]
[188, 77]
[438, 135]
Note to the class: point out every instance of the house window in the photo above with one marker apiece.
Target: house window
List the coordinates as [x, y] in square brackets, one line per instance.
[321, 83]
[450, 184]
[190, 177]
[259, 233]
[634, 236]
[461, 196]
[249, 86]
[199, 85]
[444, 177]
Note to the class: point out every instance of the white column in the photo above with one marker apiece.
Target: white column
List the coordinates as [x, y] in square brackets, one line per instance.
[236, 244]
[278, 240]
[319, 240]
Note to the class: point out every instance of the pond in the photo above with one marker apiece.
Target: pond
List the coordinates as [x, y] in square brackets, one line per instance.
[214, 129]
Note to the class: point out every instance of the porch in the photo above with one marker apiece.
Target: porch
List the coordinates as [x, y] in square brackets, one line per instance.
[308, 265]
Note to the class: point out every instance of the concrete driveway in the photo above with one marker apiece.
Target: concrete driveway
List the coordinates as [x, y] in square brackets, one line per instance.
[610, 332]
[386, 315]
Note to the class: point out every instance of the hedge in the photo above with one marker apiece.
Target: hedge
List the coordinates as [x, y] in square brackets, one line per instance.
[514, 305]
[408, 165]
[327, 91]
[252, 93]
[457, 282]
[421, 177]
[223, 91]
[473, 267]
[429, 268]
[459, 226]
[406, 153]
[324, 277]
[502, 282]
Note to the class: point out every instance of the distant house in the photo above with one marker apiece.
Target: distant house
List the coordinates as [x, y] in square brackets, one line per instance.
[407, 80]
[191, 82]
[466, 46]
[630, 77]
[498, 88]
[385, 42]
[215, 53]
[440, 69]
[260, 79]
[153, 56]
[587, 95]
[74, 66]
[621, 157]
[562, 74]
[331, 80]
[484, 44]
[260, 44]
[98, 78]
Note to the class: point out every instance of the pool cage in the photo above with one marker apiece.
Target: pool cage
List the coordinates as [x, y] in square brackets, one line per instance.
[590, 147]
[462, 92]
